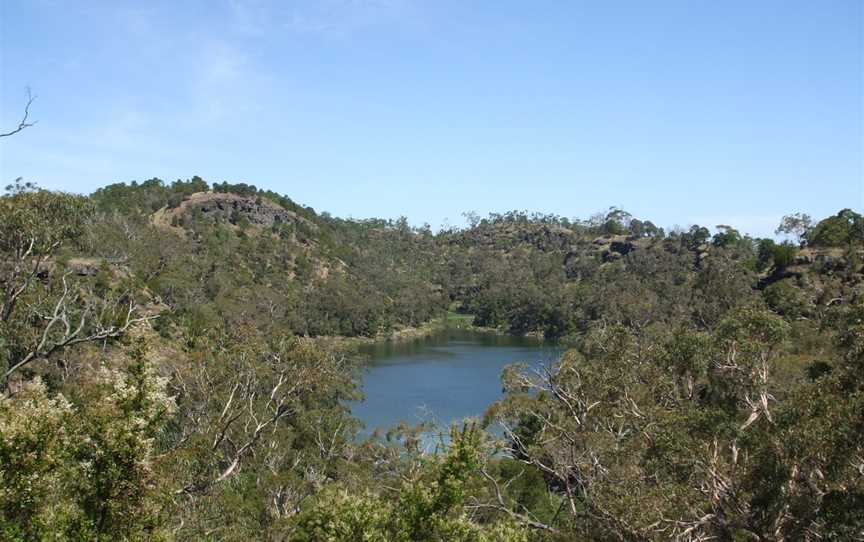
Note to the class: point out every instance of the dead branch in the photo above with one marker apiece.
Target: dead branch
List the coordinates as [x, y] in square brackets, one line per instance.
[24, 121]
[71, 332]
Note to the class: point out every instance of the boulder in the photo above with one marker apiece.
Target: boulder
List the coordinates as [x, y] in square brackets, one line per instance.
[622, 247]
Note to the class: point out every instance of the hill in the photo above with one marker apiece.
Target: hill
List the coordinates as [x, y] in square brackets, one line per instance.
[168, 374]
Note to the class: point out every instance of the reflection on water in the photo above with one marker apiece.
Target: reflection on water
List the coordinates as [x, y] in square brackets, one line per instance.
[443, 378]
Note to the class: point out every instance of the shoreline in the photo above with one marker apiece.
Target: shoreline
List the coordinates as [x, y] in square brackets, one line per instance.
[450, 320]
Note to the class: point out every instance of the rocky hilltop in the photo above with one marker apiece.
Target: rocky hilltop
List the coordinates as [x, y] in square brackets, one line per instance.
[221, 207]
[227, 208]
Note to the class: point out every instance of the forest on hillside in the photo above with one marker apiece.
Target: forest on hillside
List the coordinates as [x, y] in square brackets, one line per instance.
[176, 360]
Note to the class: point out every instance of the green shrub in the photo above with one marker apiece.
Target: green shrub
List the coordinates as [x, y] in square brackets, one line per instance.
[785, 298]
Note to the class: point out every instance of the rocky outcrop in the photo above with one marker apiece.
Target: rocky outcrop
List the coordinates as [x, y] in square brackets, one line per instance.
[615, 247]
[225, 208]
[621, 247]
[231, 209]
[546, 238]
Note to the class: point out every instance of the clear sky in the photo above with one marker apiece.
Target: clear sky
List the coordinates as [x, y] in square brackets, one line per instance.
[678, 111]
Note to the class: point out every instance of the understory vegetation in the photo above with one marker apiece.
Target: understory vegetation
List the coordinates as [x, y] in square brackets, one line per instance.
[169, 373]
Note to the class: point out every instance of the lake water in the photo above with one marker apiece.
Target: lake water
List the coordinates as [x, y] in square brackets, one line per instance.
[447, 377]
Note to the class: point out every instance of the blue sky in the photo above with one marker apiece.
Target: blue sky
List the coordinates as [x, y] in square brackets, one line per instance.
[681, 112]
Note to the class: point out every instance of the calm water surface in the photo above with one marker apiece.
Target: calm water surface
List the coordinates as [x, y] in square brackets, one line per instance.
[444, 378]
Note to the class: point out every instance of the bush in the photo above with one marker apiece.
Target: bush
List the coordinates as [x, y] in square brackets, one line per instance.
[786, 299]
[770, 253]
[784, 255]
[82, 471]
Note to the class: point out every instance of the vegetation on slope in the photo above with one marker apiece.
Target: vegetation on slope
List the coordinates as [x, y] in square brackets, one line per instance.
[163, 377]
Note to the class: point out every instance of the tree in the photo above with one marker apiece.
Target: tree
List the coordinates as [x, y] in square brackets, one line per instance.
[617, 221]
[33, 225]
[429, 504]
[796, 224]
[695, 236]
[844, 228]
[726, 236]
[262, 425]
[657, 439]
[56, 311]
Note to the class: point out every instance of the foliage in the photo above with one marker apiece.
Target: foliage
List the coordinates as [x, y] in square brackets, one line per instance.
[44, 309]
[726, 236]
[783, 297]
[428, 507]
[263, 426]
[844, 228]
[797, 224]
[83, 470]
[780, 255]
[172, 374]
[37, 221]
[683, 439]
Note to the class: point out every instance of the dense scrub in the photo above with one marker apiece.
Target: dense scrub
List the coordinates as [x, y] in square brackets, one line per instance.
[165, 377]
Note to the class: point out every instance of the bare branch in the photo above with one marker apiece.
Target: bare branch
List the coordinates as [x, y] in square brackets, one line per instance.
[501, 505]
[70, 334]
[23, 124]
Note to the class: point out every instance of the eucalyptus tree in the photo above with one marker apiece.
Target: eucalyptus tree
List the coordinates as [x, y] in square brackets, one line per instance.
[44, 307]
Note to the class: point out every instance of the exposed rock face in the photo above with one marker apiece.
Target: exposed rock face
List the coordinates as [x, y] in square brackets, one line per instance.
[622, 247]
[230, 208]
[256, 211]
[615, 247]
[84, 267]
